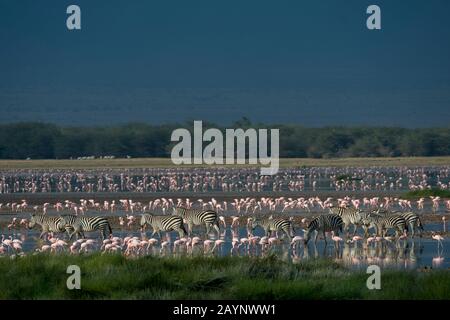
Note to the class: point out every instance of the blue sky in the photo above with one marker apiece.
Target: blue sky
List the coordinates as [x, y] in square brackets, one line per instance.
[308, 62]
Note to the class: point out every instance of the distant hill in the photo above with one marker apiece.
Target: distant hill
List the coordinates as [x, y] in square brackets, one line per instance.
[312, 108]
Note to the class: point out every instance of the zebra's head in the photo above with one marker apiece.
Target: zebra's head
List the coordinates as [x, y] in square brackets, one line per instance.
[179, 211]
[32, 221]
[367, 221]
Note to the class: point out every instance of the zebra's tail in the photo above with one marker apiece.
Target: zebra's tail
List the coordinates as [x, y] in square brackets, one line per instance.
[185, 233]
[217, 225]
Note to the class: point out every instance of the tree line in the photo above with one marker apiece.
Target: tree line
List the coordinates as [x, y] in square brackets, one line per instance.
[50, 141]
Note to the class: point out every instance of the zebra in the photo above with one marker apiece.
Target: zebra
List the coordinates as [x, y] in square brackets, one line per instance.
[274, 224]
[79, 225]
[164, 223]
[412, 220]
[48, 224]
[197, 217]
[350, 216]
[324, 223]
[382, 223]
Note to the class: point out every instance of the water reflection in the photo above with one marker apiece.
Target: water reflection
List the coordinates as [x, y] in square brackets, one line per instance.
[390, 253]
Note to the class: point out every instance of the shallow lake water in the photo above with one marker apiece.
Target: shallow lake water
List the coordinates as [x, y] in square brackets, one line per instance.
[410, 254]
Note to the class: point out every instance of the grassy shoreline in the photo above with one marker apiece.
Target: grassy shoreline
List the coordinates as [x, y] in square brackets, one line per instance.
[115, 277]
[166, 163]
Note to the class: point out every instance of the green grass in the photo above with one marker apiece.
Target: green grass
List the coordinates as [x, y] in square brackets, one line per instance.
[427, 193]
[115, 277]
[166, 163]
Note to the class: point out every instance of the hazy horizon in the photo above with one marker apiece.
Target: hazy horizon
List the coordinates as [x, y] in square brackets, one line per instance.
[311, 63]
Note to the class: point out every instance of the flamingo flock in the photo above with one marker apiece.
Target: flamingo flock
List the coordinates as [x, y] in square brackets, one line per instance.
[234, 212]
[236, 207]
[223, 180]
[354, 251]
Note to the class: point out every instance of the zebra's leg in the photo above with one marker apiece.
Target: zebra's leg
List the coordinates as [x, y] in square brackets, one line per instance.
[208, 229]
[180, 232]
[287, 232]
[68, 231]
[44, 231]
[217, 228]
[397, 232]
[325, 238]
[411, 225]
[184, 230]
[103, 232]
[420, 227]
[377, 230]
[190, 226]
[355, 228]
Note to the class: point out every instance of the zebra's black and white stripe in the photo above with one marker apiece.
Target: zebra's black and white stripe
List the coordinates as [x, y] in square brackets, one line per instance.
[163, 223]
[350, 216]
[412, 220]
[382, 223]
[48, 224]
[324, 223]
[198, 217]
[274, 224]
[79, 225]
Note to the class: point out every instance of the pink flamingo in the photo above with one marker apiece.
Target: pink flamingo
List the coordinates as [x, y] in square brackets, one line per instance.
[218, 245]
[234, 246]
[370, 240]
[45, 248]
[244, 242]
[273, 241]
[336, 240]
[437, 261]
[296, 241]
[235, 222]
[438, 238]
[207, 245]
[222, 221]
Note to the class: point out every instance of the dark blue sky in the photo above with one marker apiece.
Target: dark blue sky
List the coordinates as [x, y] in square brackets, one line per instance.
[308, 62]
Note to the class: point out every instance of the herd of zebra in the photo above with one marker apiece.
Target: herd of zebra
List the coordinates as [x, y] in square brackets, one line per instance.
[77, 225]
[339, 220]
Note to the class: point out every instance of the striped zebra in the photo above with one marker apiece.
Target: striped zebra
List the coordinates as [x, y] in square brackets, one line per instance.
[274, 224]
[198, 217]
[79, 225]
[48, 224]
[350, 216]
[163, 223]
[382, 223]
[325, 223]
[412, 220]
